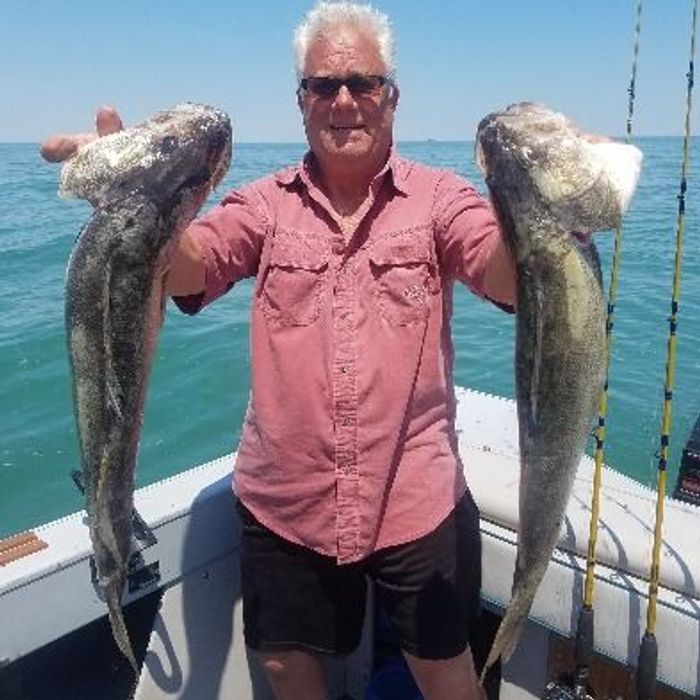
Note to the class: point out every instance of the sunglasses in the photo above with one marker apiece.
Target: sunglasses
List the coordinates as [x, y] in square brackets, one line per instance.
[357, 85]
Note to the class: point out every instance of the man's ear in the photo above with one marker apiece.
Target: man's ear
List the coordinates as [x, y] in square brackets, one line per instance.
[300, 101]
[394, 96]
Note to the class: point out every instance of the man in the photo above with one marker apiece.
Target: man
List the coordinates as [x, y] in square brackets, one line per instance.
[348, 462]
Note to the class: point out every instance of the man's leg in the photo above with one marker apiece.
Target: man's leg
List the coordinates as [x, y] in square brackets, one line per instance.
[294, 675]
[297, 606]
[430, 590]
[446, 679]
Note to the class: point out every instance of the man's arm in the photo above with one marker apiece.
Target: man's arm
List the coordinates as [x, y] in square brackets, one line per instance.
[470, 243]
[499, 275]
[187, 273]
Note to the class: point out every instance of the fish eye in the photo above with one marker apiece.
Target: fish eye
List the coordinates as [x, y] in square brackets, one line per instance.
[168, 145]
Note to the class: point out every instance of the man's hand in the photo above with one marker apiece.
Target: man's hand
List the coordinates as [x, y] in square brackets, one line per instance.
[60, 147]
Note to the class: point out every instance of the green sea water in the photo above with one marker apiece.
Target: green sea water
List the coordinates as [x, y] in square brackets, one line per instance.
[199, 386]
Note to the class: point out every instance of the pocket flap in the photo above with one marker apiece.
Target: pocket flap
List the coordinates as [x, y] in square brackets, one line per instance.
[404, 249]
[299, 251]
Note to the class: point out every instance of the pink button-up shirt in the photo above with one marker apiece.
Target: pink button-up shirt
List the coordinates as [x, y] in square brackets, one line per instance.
[349, 442]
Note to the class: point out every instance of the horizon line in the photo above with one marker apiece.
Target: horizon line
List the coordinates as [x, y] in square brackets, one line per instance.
[619, 137]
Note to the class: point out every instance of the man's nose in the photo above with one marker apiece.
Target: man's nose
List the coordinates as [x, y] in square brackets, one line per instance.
[343, 97]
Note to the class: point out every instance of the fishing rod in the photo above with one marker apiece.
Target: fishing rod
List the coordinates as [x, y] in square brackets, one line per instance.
[577, 688]
[583, 653]
[648, 651]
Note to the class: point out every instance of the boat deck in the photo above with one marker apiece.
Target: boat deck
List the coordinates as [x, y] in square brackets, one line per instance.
[186, 596]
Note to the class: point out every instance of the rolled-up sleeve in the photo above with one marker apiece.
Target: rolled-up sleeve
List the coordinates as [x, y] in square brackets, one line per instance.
[470, 244]
[230, 237]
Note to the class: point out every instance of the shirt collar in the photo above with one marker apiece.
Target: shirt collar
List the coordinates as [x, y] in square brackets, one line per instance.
[395, 165]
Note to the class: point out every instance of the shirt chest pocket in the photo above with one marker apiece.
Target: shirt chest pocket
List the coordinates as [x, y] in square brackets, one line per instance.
[291, 291]
[404, 275]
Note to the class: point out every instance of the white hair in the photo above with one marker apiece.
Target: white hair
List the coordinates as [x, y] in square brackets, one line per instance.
[327, 15]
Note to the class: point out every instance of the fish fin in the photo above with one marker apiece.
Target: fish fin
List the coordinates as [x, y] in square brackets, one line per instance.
[514, 620]
[537, 346]
[107, 535]
[114, 392]
[119, 631]
[142, 536]
[506, 639]
[79, 480]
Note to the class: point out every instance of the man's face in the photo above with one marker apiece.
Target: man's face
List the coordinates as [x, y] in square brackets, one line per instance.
[346, 129]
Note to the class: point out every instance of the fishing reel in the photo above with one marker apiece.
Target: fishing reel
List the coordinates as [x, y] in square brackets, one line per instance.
[556, 690]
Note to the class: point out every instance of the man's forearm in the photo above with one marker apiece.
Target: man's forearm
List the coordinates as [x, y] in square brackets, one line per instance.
[499, 277]
[186, 275]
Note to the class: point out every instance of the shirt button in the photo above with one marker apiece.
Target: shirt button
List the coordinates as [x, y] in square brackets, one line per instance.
[345, 315]
[344, 369]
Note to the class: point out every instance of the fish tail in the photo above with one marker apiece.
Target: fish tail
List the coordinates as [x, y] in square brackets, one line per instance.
[506, 639]
[119, 631]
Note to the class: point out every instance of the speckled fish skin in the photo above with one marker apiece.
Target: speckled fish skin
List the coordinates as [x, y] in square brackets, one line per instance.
[547, 180]
[146, 185]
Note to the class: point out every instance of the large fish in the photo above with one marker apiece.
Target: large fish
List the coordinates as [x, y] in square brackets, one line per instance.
[146, 184]
[551, 186]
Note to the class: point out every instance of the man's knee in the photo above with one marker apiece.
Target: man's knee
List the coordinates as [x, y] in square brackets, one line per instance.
[284, 665]
[294, 675]
[280, 663]
[274, 665]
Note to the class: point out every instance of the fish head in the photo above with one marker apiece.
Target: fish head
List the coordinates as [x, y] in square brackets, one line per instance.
[174, 159]
[536, 161]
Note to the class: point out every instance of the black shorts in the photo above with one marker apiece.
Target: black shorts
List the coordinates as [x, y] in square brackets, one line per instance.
[294, 598]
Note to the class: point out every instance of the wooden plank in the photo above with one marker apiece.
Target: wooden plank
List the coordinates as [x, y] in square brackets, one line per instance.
[19, 546]
[16, 540]
[608, 678]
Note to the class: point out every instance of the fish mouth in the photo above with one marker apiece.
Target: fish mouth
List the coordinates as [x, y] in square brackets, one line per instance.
[203, 183]
[211, 176]
[479, 157]
[221, 166]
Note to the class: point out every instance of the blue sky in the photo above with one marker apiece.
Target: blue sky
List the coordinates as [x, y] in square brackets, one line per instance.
[457, 60]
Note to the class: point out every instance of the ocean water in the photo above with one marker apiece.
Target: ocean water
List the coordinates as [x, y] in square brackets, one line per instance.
[199, 386]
